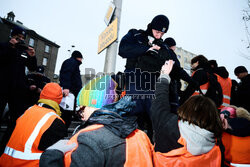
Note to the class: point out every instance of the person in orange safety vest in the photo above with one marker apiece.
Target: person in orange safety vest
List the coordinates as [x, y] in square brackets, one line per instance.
[207, 82]
[37, 129]
[107, 137]
[226, 85]
[224, 80]
[191, 138]
[236, 137]
[199, 66]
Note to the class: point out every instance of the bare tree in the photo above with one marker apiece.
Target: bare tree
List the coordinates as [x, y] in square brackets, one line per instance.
[246, 19]
[244, 55]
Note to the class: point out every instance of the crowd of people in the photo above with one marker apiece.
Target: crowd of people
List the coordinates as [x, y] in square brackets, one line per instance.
[148, 120]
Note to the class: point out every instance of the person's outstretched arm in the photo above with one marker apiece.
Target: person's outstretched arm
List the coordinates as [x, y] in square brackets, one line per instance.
[165, 123]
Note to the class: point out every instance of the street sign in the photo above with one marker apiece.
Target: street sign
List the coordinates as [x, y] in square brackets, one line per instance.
[109, 13]
[108, 36]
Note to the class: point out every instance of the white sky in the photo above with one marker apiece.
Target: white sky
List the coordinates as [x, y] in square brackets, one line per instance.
[213, 28]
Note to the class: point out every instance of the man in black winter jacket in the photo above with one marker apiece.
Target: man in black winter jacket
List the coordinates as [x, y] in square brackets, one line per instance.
[137, 46]
[243, 92]
[14, 57]
[70, 77]
[70, 80]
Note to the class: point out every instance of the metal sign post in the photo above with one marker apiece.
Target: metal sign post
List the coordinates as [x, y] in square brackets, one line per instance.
[110, 59]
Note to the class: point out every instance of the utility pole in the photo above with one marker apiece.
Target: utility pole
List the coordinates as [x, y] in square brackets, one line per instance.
[110, 59]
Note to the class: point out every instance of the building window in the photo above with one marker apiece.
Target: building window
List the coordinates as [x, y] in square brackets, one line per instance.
[31, 42]
[45, 61]
[47, 48]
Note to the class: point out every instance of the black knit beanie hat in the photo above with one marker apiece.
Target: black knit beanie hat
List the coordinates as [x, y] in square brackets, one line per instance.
[240, 69]
[76, 54]
[160, 23]
[170, 42]
[18, 30]
[213, 63]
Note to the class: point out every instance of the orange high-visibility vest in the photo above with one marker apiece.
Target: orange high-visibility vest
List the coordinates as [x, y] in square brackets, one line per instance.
[22, 148]
[237, 149]
[226, 85]
[181, 157]
[139, 150]
[203, 88]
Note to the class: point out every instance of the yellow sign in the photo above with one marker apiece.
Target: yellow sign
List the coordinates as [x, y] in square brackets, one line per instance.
[108, 36]
[109, 13]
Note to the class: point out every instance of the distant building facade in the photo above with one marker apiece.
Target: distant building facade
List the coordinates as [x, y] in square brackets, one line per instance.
[185, 60]
[46, 51]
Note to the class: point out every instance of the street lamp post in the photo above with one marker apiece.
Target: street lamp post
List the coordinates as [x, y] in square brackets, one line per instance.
[70, 50]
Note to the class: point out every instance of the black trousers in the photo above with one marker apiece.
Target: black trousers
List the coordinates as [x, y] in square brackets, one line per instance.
[67, 115]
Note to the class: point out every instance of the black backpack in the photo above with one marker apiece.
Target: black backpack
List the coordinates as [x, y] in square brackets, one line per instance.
[214, 91]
